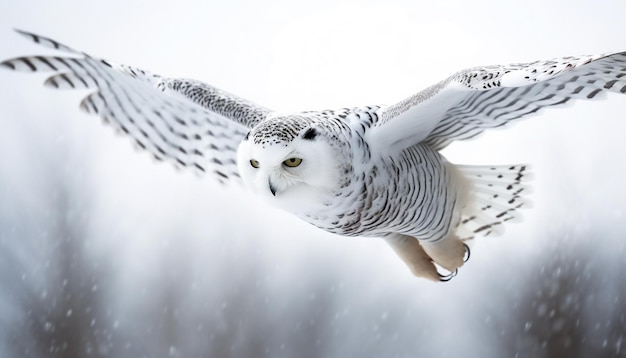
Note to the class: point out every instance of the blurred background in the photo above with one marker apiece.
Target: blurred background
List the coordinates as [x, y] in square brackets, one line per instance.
[105, 253]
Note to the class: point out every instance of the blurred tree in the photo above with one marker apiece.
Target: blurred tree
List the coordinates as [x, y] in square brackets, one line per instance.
[54, 283]
[569, 307]
[68, 319]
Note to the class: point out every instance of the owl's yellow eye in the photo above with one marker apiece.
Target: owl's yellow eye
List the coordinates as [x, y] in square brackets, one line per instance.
[292, 162]
[254, 163]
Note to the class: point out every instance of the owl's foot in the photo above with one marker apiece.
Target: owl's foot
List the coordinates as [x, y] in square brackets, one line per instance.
[449, 253]
[448, 277]
[468, 253]
[414, 256]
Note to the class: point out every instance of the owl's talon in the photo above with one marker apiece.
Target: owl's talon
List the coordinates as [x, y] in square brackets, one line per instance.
[468, 253]
[448, 277]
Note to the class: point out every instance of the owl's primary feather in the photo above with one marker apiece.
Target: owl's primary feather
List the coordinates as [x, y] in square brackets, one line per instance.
[369, 171]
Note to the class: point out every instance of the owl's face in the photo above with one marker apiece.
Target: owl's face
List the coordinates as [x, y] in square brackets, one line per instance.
[295, 171]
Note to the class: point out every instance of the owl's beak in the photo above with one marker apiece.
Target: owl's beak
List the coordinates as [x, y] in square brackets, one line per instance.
[272, 187]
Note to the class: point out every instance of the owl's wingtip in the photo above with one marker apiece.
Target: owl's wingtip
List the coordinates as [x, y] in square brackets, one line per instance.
[44, 41]
[8, 65]
[32, 36]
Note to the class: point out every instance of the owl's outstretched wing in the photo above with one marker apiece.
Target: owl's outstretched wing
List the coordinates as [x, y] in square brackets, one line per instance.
[187, 122]
[476, 99]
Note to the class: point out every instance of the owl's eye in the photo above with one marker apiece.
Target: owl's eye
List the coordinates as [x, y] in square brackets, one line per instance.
[254, 163]
[292, 162]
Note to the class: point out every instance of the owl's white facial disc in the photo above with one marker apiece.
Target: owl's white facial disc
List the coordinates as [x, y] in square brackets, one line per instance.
[297, 172]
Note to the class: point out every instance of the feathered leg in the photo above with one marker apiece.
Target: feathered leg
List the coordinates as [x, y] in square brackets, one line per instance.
[412, 253]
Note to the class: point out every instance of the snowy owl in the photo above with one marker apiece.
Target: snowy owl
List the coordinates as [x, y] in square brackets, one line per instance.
[367, 171]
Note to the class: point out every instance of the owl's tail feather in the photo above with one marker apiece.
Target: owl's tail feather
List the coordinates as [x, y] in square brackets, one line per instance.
[495, 195]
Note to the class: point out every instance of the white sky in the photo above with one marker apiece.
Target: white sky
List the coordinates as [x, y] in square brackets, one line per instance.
[323, 54]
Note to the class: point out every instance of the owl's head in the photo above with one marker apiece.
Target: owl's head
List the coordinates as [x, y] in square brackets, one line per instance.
[293, 162]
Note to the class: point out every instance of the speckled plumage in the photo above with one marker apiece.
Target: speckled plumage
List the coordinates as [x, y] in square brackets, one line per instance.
[368, 171]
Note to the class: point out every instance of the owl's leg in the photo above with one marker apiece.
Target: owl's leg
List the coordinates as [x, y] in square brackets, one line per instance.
[449, 252]
[413, 254]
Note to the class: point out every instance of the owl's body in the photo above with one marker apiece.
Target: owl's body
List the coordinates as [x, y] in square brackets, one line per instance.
[364, 193]
[412, 192]
[368, 171]
[381, 192]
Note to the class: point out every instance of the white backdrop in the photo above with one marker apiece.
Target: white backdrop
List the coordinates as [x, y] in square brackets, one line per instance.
[148, 231]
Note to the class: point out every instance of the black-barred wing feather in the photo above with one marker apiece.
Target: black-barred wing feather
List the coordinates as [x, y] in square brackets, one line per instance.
[477, 99]
[184, 121]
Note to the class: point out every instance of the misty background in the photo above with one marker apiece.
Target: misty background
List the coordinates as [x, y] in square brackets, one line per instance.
[105, 253]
